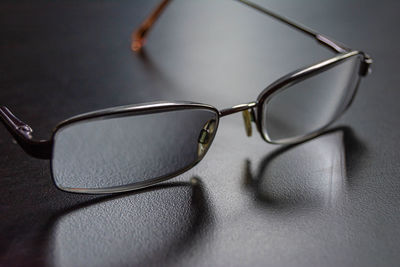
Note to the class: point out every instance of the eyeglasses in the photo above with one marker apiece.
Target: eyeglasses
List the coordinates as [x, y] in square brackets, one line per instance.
[131, 147]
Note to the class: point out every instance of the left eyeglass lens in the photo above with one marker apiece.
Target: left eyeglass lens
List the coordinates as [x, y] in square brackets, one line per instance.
[121, 152]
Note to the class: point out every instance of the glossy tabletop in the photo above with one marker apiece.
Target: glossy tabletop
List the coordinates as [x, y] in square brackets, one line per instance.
[331, 201]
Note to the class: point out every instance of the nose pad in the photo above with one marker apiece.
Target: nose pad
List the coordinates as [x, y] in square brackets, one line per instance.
[205, 137]
[247, 119]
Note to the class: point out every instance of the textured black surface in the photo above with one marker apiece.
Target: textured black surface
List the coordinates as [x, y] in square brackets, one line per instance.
[333, 201]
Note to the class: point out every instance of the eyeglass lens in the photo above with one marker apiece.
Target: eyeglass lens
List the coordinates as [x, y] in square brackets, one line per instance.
[311, 104]
[124, 151]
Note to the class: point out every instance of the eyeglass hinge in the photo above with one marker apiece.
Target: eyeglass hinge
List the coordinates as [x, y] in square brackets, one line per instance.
[18, 125]
[22, 134]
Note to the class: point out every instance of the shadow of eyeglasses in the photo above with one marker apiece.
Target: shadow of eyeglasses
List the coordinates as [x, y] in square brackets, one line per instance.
[71, 228]
[312, 174]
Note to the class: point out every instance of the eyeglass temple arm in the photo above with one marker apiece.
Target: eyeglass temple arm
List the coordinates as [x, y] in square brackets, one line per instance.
[320, 38]
[22, 133]
[139, 35]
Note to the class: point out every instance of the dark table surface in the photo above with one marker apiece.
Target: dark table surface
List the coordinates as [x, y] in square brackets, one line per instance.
[332, 201]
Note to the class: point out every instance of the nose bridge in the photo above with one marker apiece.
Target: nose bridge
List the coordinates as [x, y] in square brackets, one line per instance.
[247, 112]
[237, 108]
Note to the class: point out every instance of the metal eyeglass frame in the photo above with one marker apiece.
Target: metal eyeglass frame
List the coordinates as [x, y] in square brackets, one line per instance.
[43, 149]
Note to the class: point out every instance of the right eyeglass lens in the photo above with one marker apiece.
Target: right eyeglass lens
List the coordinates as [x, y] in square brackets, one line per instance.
[311, 104]
[116, 153]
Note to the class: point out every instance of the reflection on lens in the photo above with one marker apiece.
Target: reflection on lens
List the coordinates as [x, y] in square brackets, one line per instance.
[121, 152]
[309, 105]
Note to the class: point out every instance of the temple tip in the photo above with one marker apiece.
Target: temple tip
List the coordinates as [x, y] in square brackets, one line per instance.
[138, 38]
[137, 45]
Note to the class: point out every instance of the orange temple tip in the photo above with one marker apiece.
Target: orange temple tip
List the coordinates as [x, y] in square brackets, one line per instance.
[137, 45]
[139, 36]
[138, 39]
